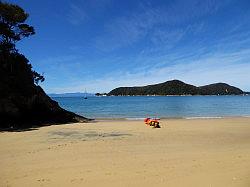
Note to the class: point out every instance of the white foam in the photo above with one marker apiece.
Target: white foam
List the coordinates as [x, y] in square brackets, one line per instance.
[134, 119]
[204, 117]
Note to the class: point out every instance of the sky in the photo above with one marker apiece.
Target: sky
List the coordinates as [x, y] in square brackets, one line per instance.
[99, 45]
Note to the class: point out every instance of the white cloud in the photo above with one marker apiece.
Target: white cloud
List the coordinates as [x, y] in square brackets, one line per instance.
[76, 14]
[147, 19]
[207, 69]
[204, 60]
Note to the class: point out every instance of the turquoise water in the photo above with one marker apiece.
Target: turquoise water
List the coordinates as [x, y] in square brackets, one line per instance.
[160, 106]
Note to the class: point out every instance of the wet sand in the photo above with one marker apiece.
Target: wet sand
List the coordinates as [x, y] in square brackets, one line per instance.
[195, 152]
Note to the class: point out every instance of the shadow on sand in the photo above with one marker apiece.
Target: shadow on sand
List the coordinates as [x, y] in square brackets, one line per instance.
[35, 127]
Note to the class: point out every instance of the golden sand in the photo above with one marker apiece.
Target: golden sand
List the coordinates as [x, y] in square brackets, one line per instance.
[195, 153]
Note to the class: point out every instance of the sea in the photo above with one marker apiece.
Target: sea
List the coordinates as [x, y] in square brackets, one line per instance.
[139, 107]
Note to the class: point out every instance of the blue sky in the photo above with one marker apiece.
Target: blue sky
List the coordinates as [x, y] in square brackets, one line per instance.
[102, 44]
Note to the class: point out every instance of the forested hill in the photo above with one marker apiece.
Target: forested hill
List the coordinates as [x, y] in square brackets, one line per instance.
[23, 104]
[176, 87]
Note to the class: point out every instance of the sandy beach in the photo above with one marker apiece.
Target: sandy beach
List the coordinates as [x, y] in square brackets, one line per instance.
[195, 152]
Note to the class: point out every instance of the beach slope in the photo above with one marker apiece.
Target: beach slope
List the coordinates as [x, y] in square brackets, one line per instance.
[195, 152]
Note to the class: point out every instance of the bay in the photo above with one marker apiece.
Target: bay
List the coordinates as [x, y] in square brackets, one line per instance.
[137, 107]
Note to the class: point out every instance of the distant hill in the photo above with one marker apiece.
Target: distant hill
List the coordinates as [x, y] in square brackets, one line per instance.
[176, 87]
[219, 88]
[77, 94]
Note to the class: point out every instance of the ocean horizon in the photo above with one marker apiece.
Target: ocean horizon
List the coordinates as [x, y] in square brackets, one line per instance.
[139, 107]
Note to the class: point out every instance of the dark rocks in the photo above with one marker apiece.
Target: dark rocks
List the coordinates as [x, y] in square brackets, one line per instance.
[18, 111]
[24, 104]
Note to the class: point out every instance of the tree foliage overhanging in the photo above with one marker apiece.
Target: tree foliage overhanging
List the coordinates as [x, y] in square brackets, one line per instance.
[23, 103]
[12, 29]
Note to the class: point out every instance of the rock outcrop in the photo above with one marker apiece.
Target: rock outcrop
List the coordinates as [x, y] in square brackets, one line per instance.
[24, 104]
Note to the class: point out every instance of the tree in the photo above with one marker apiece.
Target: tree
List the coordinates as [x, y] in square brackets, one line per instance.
[12, 29]
[12, 26]
[22, 102]
[37, 77]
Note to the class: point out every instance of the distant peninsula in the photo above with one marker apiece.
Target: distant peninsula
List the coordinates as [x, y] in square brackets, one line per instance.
[177, 87]
[74, 94]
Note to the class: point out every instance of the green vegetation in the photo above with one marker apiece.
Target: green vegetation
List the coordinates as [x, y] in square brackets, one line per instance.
[22, 102]
[176, 87]
[12, 29]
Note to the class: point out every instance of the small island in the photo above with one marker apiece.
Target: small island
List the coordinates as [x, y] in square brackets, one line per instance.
[176, 87]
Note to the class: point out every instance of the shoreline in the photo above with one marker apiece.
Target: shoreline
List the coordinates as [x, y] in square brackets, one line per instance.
[141, 120]
[169, 118]
[188, 95]
[148, 96]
